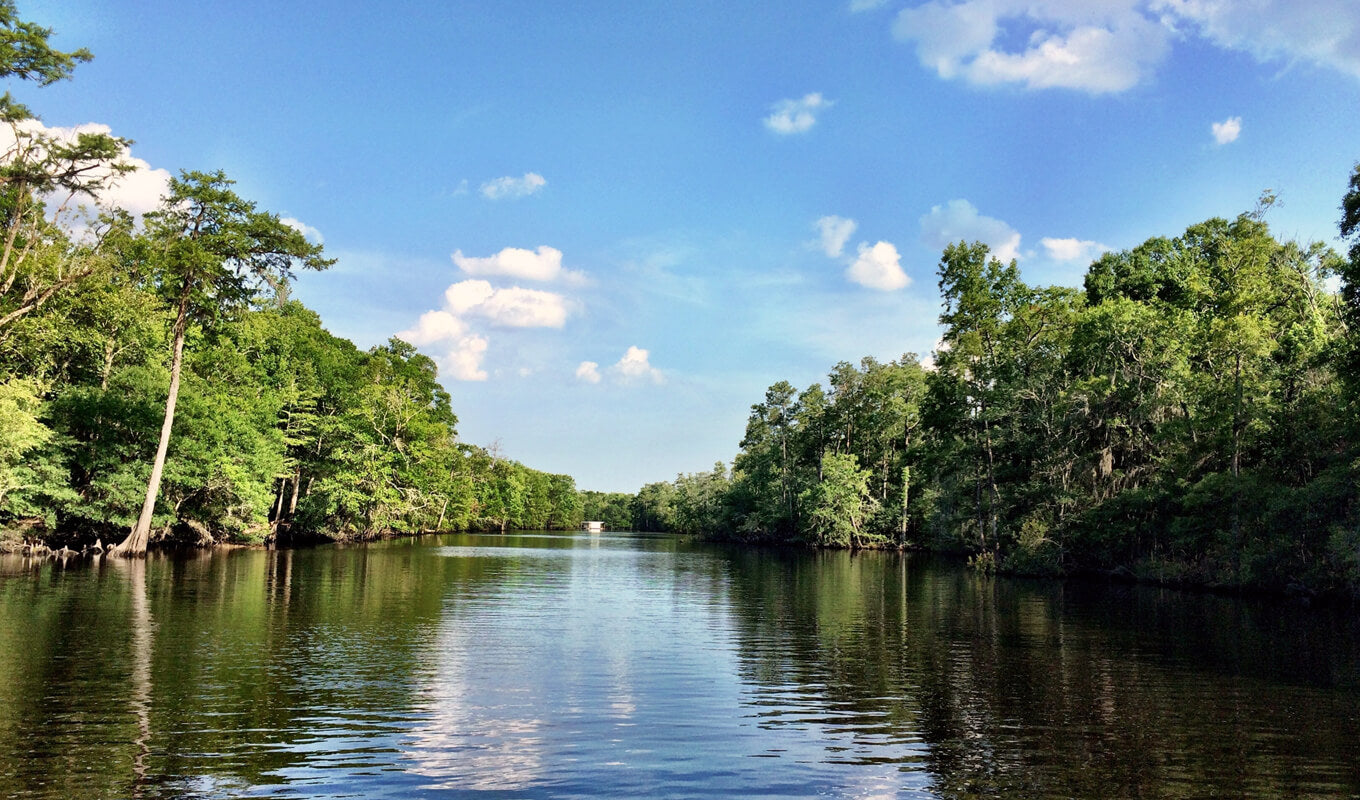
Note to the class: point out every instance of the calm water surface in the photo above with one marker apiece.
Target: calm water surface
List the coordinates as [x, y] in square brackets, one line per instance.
[566, 665]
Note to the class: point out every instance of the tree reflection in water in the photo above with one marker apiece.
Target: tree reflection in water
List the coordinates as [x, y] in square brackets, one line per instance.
[1013, 688]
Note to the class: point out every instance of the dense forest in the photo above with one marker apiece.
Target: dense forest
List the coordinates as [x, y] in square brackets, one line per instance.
[156, 378]
[1190, 417]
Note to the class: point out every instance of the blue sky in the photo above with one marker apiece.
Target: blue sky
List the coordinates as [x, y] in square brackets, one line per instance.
[613, 224]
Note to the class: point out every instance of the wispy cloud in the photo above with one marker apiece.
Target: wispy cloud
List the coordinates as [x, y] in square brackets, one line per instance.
[1072, 44]
[1113, 45]
[796, 116]
[834, 232]
[1321, 32]
[304, 229]
[1072, 249]
[588, 371]
[512, 188]
[958, 220]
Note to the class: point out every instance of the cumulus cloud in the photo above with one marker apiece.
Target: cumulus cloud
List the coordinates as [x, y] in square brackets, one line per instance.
[458, 351]
[463, 359]
[1228, 130]
[543, 264]
[796, 116]
[834, 232]
[878, 267]
[512, 188]
[1096, 47]
[524, 308]
[514, 307]
[588, 371]
[434, 326]
[958, 221]
[466, 295]
[1321, 32]
[1072, 249]
[635, 365]
[304, 229]
[136, 192]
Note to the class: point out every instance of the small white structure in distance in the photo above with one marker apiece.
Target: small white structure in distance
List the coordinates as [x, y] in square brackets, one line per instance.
[592, 526]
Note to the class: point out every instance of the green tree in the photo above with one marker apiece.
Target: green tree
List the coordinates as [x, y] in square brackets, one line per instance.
[214, 253]
[840, 504]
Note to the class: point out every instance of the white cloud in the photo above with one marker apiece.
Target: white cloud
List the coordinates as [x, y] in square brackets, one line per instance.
[958, 221]
[1097, 47]
[465, 295]
[512, 188]
[1103, 46]
[459, 351]
[635, 365]
[524, 308]
[463, 360]
[1072, 249]
[1228, 130]
[866, 5]
[304, 229]
[434, 326]
[589, 371]
[878, 267]
[834, 232]
[137, 192]
[1320, 32]
[514, 307]
[543, 264]
[796, 116]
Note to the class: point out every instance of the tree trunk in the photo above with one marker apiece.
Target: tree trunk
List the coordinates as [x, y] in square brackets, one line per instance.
[292, 501]
[278, 506]
[109, 352]
[995, 500]
[1237, 468]
[906, 493]
[136, 541]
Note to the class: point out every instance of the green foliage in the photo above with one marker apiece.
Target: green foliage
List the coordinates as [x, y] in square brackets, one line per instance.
[838, 506]
[1189, 417]
[26, 54]
[20, 432]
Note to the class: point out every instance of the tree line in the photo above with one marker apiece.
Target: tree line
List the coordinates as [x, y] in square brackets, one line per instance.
[1189, 416]
[156, 379]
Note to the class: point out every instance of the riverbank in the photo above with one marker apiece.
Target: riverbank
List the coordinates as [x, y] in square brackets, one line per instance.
[1161, 574]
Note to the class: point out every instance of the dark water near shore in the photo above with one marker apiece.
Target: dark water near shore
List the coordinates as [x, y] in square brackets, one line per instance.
[569, 665]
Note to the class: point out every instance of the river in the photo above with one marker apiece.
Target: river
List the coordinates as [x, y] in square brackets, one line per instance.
[632, 665]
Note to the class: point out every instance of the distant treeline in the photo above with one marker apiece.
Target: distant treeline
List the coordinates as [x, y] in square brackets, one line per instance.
[1190, 417]
[155, 378]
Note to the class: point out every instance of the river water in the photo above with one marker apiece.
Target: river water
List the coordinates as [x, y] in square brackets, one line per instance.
[630, 665]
